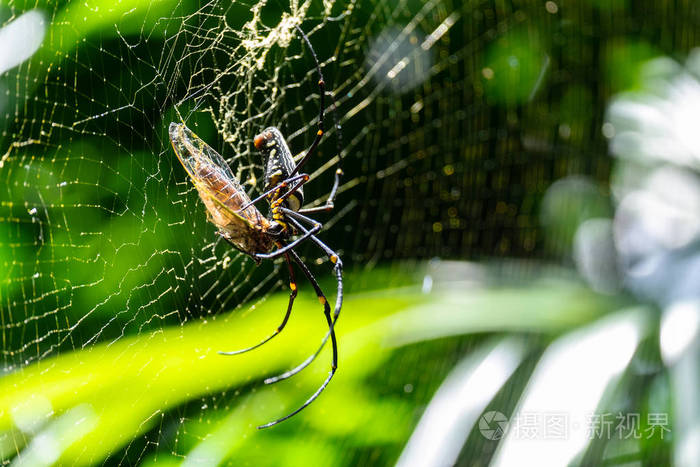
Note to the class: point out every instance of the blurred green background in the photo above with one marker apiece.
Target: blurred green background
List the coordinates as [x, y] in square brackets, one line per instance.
[519, 221]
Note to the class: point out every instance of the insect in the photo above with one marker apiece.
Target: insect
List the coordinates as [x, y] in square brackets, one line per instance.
[261, 237]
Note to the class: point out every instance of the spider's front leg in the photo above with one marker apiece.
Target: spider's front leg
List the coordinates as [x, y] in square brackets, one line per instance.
[321, 109]
[328, 205]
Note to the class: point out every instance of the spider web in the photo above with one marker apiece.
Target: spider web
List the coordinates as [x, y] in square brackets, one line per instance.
[103, 236]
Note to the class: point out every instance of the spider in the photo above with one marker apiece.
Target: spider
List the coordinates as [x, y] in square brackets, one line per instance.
[242, 225]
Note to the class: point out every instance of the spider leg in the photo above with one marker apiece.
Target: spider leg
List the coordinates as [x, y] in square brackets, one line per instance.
[277, 201]
[321, 110]
[328, 205]
[338, 265]
[289, 246]
[303, 177]
[297, 216]
[292, 296]
[331, 332]
[338, 269]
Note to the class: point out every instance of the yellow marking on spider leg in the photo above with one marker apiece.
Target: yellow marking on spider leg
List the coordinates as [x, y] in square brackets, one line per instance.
[322, 300]
[292, 286]
[334, 259]
[320, 133]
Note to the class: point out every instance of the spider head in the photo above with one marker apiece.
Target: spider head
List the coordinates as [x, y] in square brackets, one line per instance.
[259, 141]
[268, 140]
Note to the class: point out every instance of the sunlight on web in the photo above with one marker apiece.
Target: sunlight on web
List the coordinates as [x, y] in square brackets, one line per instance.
[108, 238]
[103, 236]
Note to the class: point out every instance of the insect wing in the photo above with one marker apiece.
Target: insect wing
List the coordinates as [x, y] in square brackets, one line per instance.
[212, 177]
